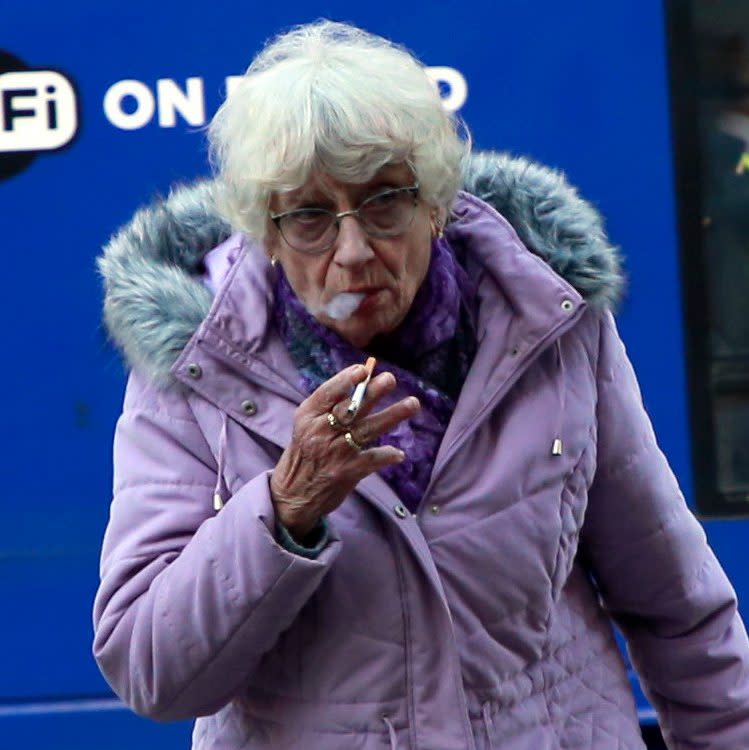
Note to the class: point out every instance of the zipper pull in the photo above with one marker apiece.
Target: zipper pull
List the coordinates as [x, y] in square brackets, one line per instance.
[218, 502]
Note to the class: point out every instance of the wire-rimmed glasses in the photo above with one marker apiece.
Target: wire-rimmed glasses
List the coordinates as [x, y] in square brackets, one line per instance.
[314, 230]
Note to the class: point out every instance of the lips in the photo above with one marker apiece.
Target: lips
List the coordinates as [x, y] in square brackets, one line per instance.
[353, 301]
[371, 299]
[364, 289]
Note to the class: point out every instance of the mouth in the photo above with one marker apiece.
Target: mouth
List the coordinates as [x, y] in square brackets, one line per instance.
[352, 302]
[365, 290]
[371, 298]
[343, 305]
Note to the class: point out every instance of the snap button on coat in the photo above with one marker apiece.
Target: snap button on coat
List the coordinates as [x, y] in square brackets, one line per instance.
[194, 370]
[400, 510]
[249, 408]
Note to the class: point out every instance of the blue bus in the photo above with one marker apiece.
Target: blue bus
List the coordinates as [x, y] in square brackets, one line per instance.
[644, 106]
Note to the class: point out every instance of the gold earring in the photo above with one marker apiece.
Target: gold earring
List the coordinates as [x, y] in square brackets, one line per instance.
[438, 232]
[273, 261]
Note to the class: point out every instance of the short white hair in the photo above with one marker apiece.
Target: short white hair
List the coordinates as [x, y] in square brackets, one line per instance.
[332, 98]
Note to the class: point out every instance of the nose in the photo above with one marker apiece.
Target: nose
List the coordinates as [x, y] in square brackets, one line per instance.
[352, 246]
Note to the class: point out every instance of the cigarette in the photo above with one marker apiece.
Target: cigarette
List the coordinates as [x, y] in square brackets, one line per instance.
[361, 388]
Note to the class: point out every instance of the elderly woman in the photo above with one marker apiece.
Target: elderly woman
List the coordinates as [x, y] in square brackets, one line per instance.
[438, 570]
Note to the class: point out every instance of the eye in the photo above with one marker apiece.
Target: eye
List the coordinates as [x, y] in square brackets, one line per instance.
[305, 216]
[382, 200]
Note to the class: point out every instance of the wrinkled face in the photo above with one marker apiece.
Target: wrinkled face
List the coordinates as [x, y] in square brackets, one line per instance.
[387, 271]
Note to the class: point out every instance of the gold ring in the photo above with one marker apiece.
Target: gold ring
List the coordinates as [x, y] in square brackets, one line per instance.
[332, 420]
[349, 438]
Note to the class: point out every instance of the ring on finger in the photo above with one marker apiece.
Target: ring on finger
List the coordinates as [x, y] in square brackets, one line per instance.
[333, 420]
[349, 438]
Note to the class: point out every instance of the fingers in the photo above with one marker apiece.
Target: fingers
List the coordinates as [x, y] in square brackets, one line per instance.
[369, 429]
[366, 426]
[320, 467]
[378, 387]
[333, 396]
[335, 390]
[380, 457]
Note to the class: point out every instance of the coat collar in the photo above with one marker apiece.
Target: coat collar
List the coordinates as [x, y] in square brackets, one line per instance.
[155, 300]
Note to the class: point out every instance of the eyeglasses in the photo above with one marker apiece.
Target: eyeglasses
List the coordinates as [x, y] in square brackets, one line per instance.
[314, 230]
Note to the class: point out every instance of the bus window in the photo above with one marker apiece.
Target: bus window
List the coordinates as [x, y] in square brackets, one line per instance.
[710, 84]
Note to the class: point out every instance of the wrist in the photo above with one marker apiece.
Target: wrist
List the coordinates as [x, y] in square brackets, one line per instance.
[310, 546]
[297, 520]
[300, 529]
[308, 538]
[295, 514]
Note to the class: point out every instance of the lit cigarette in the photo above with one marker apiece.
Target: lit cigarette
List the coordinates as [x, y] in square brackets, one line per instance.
[361, 388]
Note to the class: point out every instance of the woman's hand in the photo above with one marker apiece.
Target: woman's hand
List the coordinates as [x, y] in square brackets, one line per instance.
[319, 468]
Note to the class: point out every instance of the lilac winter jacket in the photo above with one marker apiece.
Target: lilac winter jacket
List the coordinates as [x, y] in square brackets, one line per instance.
[481, 621]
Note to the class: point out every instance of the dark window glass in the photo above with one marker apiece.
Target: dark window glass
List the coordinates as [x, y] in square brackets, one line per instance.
[709, 48]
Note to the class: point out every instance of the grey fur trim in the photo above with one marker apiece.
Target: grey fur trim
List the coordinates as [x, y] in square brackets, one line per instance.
[154, 301]
[552, 221]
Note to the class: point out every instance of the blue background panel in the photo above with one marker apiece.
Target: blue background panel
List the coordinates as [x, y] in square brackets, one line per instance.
[88, 724]
[579, 86]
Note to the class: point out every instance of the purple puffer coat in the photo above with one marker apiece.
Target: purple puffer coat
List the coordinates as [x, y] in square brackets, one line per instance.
[483, 620]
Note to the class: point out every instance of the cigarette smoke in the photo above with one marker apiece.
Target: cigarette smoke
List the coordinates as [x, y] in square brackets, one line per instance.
[343, 305]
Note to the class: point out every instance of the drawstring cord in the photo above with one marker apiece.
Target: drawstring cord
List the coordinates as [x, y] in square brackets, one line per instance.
[558, 446]
[488, 723]
[218, 500]
[391, 732]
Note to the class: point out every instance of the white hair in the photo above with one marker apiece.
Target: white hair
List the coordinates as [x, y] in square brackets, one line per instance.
[332, 98]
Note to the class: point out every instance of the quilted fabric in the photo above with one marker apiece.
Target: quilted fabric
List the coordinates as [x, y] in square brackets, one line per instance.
[481, 621]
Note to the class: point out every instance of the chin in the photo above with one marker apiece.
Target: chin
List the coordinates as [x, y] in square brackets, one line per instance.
[357, 336]
[359, 333]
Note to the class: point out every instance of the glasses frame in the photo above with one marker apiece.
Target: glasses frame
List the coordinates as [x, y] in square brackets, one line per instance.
[337, 217]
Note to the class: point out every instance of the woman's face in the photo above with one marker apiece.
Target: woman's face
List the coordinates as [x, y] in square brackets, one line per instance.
[389, 271]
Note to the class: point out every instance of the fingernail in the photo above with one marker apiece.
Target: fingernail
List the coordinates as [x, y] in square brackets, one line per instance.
[400, 455]
[413, 401]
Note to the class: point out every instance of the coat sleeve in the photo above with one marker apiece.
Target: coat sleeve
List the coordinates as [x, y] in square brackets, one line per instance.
[657, 576]
[189, 600]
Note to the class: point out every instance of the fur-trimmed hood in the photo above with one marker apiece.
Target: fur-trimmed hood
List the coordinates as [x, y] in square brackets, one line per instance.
[155, 300]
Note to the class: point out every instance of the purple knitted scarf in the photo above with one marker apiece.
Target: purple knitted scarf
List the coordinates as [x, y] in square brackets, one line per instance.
[429, 354]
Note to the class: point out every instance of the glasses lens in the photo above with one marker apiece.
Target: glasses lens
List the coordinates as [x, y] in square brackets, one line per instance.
[388, 213]
[308, 230]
